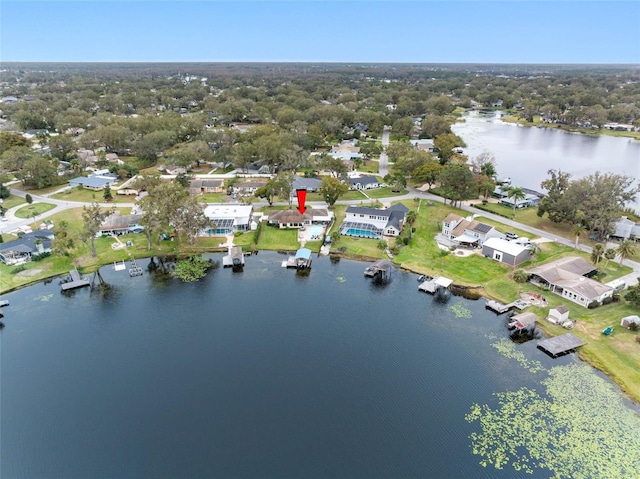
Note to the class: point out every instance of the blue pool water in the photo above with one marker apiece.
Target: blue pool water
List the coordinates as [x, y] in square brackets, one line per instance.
[362, 233]
[315, 231]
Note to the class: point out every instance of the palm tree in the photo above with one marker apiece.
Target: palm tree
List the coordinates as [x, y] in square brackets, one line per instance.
[626, 250]
[576, 231]
[520, 276]
[596, 253]
[516, 194]
[609, 254]
[535, 249]
[412, 216]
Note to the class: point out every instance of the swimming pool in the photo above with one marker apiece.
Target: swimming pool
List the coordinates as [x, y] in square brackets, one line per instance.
[315, 232]
[361, 233]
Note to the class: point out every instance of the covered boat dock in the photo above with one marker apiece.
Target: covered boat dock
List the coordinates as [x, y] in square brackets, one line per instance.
[560, 345]
[234, 258]
[522, 320]
[435, 284]
[381, 269]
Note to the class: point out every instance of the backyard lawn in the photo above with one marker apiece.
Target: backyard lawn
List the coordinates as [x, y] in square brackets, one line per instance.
[85, 195]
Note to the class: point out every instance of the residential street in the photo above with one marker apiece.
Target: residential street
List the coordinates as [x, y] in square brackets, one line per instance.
[13, 223]
[383, 162]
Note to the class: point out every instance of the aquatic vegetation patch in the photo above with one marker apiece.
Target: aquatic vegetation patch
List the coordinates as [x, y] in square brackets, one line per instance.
[460, 311]
[342, 279]
[508, 349]
[43, 297]
[581, 430]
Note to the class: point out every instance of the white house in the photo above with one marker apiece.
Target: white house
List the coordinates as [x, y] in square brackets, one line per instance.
[566, 277]
[374, 223]
[228, 218]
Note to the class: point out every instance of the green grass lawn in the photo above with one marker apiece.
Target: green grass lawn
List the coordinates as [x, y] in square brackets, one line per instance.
[384, 193]
[371, 167]
[273, 238]
[85, 195]
[12, 201]
[34, 209]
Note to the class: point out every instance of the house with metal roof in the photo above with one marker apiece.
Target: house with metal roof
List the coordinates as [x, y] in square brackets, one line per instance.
[117, 224]
[309, 184]
[95, 183]
[22, 249]
[568, 277]
[373, 222]
[503, 251]
[467, 233]
[228, 218]
[626, 229]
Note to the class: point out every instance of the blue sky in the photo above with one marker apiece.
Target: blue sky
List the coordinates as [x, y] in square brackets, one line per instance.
[319, 31]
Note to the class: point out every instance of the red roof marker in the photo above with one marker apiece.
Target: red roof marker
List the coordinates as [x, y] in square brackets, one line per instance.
[302, 197]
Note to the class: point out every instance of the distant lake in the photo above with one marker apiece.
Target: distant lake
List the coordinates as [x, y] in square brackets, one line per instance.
[262, 373]
[525, 154]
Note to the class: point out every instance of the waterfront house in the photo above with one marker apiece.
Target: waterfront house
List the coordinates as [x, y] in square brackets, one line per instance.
[117, 224]
[374, 223]
[567, 277]
[504, 251]
[228, 218]
[467, 233]
[22, 249]
[526, 202]
[294, 219]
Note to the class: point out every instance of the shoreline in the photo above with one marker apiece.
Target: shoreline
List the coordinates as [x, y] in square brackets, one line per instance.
[590, 359]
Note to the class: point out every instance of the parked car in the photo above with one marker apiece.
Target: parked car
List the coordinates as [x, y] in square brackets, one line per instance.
[135, 228]
[510, 236]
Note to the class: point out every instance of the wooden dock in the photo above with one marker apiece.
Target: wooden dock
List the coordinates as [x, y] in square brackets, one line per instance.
[74, 281]
[497, 306]
[560, 345]
[433, 285]
[234, 259]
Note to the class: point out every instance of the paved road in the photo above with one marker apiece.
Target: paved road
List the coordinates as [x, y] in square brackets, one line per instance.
[13, 223]
[383, 162]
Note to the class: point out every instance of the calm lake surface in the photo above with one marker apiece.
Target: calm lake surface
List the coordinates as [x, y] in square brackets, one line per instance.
[255, 374]
[525, 154]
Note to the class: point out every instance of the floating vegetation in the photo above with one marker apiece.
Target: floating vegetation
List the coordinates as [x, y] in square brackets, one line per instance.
[460, 310]
[342, 279]
[582, 430]
[508, 349]
[43, 297]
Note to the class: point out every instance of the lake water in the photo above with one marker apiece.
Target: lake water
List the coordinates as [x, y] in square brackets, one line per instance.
[525, 154]
[262, 373]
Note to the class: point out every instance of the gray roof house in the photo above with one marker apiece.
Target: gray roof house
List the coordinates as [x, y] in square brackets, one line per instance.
[117, 224]
[374, 223]
[626, 229]
[98, 180]
[505, 251]
[363, 183]
[21, 249]
[567, 277]
[309, 184]
[200, 186]
[469, 233]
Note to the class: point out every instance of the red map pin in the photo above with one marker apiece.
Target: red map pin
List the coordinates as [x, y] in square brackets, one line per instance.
[302, 197]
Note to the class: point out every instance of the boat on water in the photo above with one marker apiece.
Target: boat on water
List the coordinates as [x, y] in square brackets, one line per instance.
[3, 303]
